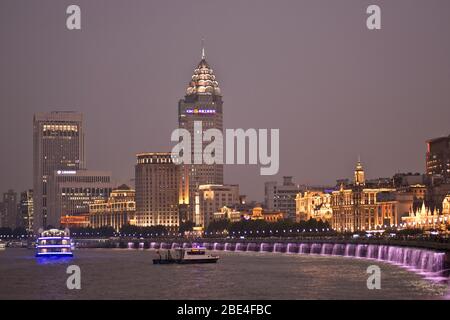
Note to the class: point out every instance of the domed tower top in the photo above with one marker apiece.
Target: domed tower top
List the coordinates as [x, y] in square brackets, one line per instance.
[203, 81]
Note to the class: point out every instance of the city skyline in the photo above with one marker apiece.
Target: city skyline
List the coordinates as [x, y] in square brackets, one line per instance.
[129, 98]
[225, 157]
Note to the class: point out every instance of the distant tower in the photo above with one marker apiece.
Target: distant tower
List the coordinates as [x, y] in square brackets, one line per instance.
[9, 210]
[359, 174]
[202, 102]
[58, 144]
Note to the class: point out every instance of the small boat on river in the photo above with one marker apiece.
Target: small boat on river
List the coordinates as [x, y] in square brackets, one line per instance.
[184, 256]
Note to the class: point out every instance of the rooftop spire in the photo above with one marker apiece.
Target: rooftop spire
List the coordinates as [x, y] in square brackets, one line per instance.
[203, 49]
[203, 81]
[359, 173]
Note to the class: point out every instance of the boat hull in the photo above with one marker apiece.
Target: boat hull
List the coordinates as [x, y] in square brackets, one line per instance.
[186, 261]
[55, 254]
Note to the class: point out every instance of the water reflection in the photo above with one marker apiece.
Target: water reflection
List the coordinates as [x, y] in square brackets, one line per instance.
[53, 260]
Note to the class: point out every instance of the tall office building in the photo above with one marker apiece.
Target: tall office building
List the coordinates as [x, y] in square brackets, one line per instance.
[202, 103]
[9, 210]
[58, 144]
[26, 210]
[438, 157]
[2, 214]
[157, 180]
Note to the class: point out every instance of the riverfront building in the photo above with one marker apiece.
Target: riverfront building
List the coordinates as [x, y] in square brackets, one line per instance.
[357, 207]
[202, 102]
[427, 219]
[313, 205]
[117, 211]
[229, 214]
[8, 210]
[26, 210]
[58, 144]
[282, 197]
[214, 197]
[438, 157]
[258, 213]
[157, 190]
[446, 205]
[70, 192]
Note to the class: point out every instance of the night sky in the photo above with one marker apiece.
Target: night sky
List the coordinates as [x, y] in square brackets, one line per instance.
[310, 68]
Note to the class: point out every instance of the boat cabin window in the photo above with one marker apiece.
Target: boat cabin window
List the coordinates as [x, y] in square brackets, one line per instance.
[195, 253]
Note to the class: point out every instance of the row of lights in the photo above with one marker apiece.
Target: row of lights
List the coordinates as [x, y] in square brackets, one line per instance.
[11, 236]
[213, 233]
[270, 231]
[401, 225]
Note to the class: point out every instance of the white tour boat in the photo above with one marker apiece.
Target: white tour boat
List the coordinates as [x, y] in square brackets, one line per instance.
[54, 243]
[184, 256]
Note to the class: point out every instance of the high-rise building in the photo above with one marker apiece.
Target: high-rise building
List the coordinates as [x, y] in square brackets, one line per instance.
[70, 192]
[58, 144]
[438, 157]
[282, 197]
[26, 210]
[157, 180]
[270, 188]
[9, 210]
[2, 215]
[212, 198]
[202, 103]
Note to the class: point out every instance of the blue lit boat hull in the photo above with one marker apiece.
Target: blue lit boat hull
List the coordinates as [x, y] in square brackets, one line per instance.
[54, 254]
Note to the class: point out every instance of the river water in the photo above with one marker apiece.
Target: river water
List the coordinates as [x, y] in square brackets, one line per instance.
[130, 274]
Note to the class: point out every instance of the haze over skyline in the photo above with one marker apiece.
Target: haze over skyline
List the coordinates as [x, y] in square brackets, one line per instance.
[310, 68]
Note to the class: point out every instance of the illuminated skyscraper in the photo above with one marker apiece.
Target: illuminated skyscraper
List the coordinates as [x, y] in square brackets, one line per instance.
[26, 210]
[202, 102]
[157, 190]
[58, 144]
[438, 157]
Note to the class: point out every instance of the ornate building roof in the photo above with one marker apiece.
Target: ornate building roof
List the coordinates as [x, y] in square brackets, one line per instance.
[203, 80]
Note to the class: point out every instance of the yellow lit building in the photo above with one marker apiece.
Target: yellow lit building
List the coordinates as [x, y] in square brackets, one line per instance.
[313, 204]
[118, 210]
[446, 205]
[78, 221]
[226, 213]
[424, 218]
[259, 214]
[212, 197]
[357, 208]
[157, 183]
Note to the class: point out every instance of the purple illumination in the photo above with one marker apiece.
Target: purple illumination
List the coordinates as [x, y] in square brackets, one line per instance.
[53, 246]
[54, 254]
